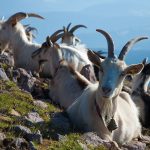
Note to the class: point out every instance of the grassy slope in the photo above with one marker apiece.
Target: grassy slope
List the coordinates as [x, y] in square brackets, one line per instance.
[11, 97]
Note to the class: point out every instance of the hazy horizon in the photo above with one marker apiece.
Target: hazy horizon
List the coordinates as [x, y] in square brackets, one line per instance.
[124, 20]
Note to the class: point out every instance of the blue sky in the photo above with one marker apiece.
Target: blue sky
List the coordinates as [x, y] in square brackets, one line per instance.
[123, 19]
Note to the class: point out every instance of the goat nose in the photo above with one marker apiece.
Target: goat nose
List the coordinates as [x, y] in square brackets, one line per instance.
[106, 89]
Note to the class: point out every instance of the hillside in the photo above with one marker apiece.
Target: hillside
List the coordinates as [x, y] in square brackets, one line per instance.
[30, 120]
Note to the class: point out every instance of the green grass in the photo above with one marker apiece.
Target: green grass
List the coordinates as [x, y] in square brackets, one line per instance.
[11, 97]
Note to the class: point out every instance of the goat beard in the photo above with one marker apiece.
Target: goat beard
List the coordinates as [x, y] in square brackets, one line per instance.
[107, 111]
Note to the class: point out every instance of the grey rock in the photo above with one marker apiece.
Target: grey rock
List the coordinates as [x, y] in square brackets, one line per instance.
[18, 143]
[26, 80]
[34, 117]
[2, 136]
[35, 137]
[134, 145]
[3, 75]
[21, 130]
[40, 104]
[16, 75]
[61, 137]
[7, 58]
[91, 138]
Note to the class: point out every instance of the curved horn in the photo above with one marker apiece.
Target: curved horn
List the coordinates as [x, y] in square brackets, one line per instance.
[109, 42]
[35, 15]
[76, 27]
[68, 26]
[48, 41]
[129, 45]
[21, 15]
[28, 29]
[55, 36]
[65, 29]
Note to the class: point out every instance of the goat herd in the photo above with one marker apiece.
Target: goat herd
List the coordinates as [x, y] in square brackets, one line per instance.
[90, 87]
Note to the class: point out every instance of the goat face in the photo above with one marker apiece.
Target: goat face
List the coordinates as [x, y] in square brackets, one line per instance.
[112, 74]
[113, 70]
[50, 52]
[68, 36]
[4, 35]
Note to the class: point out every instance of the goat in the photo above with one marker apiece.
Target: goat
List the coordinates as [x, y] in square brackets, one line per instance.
[29, 32]
[66, 84]
[6, 53]
[68, 36]
[102, 107]
[12, 33]
[140, 95]
[75, 58]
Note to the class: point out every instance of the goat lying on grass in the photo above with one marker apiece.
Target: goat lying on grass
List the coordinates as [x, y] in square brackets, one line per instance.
[102, 107]
[66, 84]
[75, 58]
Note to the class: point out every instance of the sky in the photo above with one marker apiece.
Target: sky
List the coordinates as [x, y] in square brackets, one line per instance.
[122, 19]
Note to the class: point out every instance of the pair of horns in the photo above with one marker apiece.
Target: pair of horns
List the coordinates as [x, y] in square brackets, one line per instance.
[126, 47]
[21, 15]
[73, 29]
[59, 33]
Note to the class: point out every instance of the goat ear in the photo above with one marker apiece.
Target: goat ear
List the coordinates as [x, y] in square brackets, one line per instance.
[94, 58]
[134, 69]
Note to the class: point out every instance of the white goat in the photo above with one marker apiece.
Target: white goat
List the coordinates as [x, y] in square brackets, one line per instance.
[75, 58]
[102, 107]
[66, 83]
[29, 32]
[12, 33]
[68, 37]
